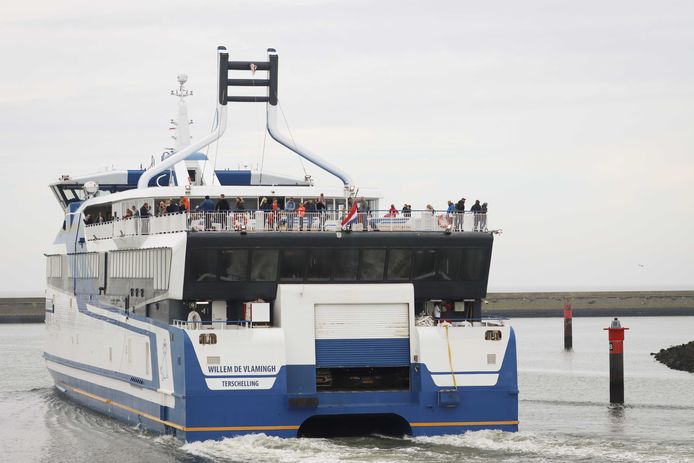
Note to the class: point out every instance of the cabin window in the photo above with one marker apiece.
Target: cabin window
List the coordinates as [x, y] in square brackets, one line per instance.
[449, 264]
[472, 262]
[372, 264]
[424, 264]
[345, 264]
[203, 265]
[319, 264]
[292, 264]
[399, 264]
[264, 265]
[234, 265]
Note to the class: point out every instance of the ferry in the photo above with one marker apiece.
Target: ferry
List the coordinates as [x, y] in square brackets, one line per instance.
[206, 302]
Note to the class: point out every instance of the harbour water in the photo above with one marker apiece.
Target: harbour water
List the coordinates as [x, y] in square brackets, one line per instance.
[564, 410]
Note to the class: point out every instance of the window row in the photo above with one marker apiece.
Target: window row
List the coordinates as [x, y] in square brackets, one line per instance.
[142, 263]
[455, 264]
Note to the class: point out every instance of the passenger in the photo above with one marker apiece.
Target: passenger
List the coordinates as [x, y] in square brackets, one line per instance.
[459, 214]
[430, 209]
[265, 207]
[320, 207]
[206, 206]
[222, 204]
[184, 204]
[88, 219]
[274, 217]
[136, 212]
[240, 219]
[300, 212]
[483, 218]
[476, 209]
[363, 213]
[312, 211]
[172, 207]
[392, 212]
[162, 208]
[450, 212]
[437, 313]
[290, 208]
[128, 214]
[144, 211]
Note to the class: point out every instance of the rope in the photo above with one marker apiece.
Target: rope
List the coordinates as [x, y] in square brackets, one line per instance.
[290, 135]
[450, 358]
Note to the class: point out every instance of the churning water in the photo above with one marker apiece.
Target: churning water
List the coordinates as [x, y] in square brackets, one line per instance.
[564, 411]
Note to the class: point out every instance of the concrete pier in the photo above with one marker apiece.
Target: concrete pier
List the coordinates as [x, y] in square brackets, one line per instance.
[22, 309]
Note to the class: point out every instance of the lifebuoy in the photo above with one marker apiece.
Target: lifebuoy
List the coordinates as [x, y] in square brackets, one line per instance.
[443, 221]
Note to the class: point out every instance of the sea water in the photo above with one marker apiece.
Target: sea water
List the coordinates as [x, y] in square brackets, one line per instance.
[564, 410]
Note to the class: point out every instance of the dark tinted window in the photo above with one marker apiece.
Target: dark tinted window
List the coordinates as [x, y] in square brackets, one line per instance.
[372, 264]
[424, 264]
[473, 260]
[345, 264]
[203, 265]
[399, 264]
[264, 265]
[234, 265]
[292, 264]
[319, 264]
[449, 264]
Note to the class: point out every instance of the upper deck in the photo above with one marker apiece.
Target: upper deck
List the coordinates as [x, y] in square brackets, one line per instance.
[286, 221]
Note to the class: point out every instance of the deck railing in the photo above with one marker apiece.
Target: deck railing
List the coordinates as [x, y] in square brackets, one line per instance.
[285, 221]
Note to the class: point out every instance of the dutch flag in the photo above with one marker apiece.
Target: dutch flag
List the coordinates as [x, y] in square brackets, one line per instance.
[351, 217]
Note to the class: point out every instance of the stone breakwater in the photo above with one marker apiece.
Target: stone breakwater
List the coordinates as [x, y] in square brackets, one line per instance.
[677, 357]
[22, 309]
[591, 304]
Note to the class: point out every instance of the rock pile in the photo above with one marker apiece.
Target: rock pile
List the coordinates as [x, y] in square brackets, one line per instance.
[677, 357]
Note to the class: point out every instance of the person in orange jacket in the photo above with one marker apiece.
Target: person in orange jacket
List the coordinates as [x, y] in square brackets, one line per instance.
[301, 212]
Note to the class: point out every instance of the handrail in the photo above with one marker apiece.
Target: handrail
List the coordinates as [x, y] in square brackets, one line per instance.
[288, 221]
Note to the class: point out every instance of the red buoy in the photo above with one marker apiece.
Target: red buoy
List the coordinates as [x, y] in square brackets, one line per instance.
[615, 334]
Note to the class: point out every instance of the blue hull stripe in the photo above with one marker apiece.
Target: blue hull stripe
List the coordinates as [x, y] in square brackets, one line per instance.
[362, 352]
[290, 427]
[92, 369]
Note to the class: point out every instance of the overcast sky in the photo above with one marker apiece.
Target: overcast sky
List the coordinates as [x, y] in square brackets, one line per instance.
[573, 120]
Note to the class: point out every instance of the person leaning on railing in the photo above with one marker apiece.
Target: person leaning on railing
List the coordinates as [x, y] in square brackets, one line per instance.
[206, 206]
[483, 217]
[459, 214]
[290, 208]
[320, 207]
[300, 212]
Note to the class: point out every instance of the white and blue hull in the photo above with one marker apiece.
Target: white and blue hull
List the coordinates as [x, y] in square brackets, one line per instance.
[263, 380]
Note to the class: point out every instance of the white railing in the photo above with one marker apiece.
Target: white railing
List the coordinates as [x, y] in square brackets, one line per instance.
[268, 221]
[213, 324]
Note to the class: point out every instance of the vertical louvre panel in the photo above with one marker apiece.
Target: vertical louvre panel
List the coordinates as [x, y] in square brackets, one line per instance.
[154, 264]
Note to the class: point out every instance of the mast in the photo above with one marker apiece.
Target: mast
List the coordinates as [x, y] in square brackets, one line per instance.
[182, 130]
[182, 123]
